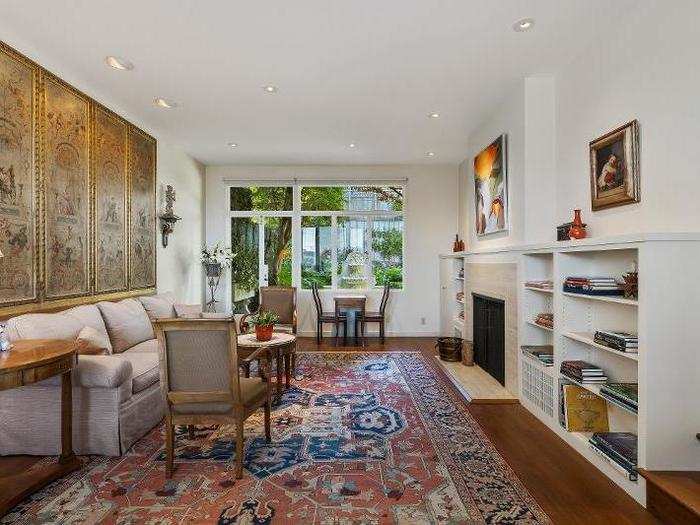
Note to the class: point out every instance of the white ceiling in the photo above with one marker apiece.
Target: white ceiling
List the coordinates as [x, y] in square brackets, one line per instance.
[362, 71]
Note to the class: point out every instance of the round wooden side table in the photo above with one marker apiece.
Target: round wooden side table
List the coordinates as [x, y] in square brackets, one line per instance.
[28, 362]
[282, 346]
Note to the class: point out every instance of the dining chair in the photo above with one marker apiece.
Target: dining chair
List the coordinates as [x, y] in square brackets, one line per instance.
[326, 317]
[376, 317]
[201, 384]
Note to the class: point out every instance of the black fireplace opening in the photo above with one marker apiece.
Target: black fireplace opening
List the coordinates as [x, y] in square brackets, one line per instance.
[489, 336]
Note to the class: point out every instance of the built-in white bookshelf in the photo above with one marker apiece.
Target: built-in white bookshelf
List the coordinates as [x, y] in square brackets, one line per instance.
[452, 296]
[665, 316]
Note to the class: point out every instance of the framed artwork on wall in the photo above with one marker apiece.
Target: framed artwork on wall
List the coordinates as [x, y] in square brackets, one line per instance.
[65, 123]
[110, 165]
[142, 211]
[491, 188]
[614, 160]
[18, 179]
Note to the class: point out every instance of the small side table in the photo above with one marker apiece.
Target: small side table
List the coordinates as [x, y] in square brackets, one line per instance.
[282, 346]
[28, 362]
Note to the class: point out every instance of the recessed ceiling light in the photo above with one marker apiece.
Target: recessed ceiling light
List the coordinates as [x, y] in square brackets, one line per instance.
[270, 89]
[524, 24]
[433, 115]
[430, 154]
[165, 103]
[352, 145]
[233, 144]
[119, 63]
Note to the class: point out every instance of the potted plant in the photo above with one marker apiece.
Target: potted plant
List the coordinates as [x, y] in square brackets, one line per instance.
[264, 323]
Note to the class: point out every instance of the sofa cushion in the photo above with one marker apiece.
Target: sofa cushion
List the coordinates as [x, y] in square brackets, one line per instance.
[127, 323]
[97, 371]
[89, 315]
[159, 306]
[147, 346]
[145, 369]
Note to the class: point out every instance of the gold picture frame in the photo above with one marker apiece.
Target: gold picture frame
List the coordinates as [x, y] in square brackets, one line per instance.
[614, 160]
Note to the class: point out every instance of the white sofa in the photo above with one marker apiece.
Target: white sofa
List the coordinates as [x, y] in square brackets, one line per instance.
[116, 397]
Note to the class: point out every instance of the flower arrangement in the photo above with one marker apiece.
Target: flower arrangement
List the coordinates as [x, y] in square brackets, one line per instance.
[264, 323]
[217, 254]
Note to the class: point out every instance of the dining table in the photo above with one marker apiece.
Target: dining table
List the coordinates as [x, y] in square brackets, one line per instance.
[351, 303]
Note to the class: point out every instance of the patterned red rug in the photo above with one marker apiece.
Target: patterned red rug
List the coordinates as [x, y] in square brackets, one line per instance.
[363, 438]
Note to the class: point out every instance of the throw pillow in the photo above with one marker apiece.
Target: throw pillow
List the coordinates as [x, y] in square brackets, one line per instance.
[188, 311]
[127, 323]
[92, 342]
[160, 306]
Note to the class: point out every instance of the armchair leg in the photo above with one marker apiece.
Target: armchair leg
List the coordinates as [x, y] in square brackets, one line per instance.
[239, 449]
[268, 431]
[169, 448]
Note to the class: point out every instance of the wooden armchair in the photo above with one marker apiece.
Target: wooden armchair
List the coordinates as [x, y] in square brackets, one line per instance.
[281, 300]
[200, 380]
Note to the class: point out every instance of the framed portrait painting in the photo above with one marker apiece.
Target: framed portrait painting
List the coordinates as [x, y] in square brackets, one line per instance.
[66, 123]
[110, 165]
[614, 160]
[491, 188]
[18, 102]
[142, 211]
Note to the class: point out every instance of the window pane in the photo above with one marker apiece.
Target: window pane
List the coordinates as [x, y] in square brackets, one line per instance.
[353, 264]
[278, 250]
[262, 198]
[387, 251]
[352, 198]
[316, 252]
[244, 271]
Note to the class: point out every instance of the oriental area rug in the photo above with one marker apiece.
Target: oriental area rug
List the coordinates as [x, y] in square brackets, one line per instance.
[363, 438]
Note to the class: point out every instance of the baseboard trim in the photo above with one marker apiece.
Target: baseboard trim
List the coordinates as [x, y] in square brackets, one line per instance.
[328, 334]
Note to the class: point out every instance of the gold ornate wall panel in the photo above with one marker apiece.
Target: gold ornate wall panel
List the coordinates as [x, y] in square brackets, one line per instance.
[77, 195]
[110, 175]
[18, 207]
[142, 186]
[65, 127]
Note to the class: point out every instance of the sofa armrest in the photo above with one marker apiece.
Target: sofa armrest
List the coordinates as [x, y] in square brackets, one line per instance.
[102, 371]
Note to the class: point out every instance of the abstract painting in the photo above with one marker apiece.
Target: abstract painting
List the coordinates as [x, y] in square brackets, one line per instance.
[614, 161]
[66, 122]
[491, 188]
[142, 180]
[110, 133]
[17, 179]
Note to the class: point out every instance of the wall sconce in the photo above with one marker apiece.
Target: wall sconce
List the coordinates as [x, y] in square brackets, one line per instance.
[168, 219]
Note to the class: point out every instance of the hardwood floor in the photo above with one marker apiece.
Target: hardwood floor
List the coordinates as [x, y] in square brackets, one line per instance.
[567, 487]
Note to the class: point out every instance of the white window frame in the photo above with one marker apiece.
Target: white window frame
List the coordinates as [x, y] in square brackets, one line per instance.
[297, 213]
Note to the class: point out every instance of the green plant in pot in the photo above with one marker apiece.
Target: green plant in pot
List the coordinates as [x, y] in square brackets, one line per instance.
[264, 323]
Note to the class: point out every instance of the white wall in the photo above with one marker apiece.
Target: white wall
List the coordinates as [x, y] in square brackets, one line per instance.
[179, 269]
[647, 68]
[430, 218]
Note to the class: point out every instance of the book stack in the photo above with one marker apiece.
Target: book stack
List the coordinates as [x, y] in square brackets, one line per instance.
[545, 319]
[620, 341]
[620, 447]
[592, 285]
[624, 394]
[542, 285]
[583, 372]
[543, 353]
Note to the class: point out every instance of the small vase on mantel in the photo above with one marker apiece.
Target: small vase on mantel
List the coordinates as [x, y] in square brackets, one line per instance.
[578, 229]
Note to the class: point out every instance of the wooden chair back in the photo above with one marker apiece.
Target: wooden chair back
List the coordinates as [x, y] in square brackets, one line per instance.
[281, 300]
[385, 299]
[199, 361]
[317, 299]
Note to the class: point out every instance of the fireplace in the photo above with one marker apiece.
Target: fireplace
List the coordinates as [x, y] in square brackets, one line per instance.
[489, 335]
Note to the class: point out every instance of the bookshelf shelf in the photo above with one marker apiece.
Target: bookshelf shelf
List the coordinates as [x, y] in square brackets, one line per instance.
[603, 298]
[540, 290]
[595, 388]
[533, 323]
[587, 338]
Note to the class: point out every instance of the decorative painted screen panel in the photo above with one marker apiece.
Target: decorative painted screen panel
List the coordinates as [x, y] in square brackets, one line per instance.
[110, 165]
[18, 266]
[65, 123]
[142, 180]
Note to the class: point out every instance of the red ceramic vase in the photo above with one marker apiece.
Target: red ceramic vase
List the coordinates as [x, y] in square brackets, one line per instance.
[577, 230]
[264, 333]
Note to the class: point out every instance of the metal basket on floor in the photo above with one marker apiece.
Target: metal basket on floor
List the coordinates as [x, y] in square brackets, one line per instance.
[450, 348]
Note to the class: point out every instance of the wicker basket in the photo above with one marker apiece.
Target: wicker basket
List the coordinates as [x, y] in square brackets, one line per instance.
[450, 348]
